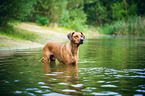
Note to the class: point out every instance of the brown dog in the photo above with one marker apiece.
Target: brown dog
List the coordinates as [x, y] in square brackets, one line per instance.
[64, 53]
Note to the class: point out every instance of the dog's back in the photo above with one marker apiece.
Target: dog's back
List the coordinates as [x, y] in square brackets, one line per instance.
[52, 51]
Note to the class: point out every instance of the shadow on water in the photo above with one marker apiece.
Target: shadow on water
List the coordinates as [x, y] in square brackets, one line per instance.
[107, 66]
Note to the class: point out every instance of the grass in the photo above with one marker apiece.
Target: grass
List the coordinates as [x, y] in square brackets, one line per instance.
[22, 33]
[19, 34]
[33, 32]
[132, 26]
[58, 29]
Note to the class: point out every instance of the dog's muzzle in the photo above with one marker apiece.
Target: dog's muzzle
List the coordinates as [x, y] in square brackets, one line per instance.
[81, 41]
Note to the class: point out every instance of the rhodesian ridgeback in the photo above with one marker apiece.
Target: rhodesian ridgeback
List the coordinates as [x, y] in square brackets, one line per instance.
[64, 53]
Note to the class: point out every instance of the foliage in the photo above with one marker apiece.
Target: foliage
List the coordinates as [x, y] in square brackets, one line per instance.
[75, 14]
[132, 26]
[42, 20]
[19, 33]
[75, 4]
[64, 19]
[74, 17]
[77, 20]
[96, 13]
[133, 9]
[14, 10]
[118, 11]
[52, 9]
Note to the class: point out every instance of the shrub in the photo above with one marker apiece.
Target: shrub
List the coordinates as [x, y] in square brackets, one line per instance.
[42, 20]
[64, 19]
[74, 19]
[134, 25]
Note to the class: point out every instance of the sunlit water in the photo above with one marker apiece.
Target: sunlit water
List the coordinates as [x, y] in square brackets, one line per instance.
[107, 66]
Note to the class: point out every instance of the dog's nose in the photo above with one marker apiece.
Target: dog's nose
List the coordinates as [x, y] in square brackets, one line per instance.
[81, 39]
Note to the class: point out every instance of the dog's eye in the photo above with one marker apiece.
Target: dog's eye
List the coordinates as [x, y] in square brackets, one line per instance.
[76, 36]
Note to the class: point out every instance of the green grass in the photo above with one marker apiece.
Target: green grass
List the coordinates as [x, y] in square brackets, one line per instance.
[19, 34]
[42, 37]
[58, 29]
[132, 26]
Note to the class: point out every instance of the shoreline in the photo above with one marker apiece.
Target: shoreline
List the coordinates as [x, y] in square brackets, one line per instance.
[44, 35]
[8, 43]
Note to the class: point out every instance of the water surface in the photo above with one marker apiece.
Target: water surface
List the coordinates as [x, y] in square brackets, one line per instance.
[107, 66]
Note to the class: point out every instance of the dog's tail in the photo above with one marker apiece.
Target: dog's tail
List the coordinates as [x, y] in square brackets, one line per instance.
[41, 60]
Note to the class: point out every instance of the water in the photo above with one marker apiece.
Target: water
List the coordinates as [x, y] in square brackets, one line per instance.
[106, 66]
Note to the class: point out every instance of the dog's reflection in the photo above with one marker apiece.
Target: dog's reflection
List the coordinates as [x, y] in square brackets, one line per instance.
[66, 73]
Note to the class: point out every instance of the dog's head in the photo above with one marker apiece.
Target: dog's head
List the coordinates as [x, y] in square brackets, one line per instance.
[76, 37]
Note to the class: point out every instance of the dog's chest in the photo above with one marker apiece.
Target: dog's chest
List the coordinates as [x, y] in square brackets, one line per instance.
[69, 54]
[70, 58]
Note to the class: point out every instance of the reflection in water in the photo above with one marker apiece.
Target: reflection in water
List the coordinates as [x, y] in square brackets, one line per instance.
[67, 72]
[64, 77]
[117, 53]
[107, 66]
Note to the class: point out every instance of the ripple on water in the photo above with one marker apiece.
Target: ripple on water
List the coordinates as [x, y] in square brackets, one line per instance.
[78, 85]
[7, 82]
[24, 92]
[18, 92]
[55, 94]
[41, 83]
[62, 83]
[140, 90]
[42, 91]
[30, 89]
[101, 81]
[16, 80]
[106, 93]
[39, 91]
[108, 86]
[57, 72]
[136, 76]
[51, 74]
[45, 87]
[68, 90]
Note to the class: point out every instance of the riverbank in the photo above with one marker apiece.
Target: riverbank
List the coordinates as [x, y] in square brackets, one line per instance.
[8, 43]
[30, 35]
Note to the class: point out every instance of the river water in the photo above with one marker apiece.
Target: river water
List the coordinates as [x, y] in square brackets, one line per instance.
[107, 66]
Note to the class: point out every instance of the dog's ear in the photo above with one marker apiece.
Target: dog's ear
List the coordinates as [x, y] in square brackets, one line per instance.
[70, 36]
[83, 35]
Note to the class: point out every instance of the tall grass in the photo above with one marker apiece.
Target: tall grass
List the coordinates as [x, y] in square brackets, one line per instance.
[132, 26]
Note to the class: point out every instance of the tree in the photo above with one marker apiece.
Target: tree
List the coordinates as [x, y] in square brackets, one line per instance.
[75, 4]
[14, 10]
[52, 9]
[77, 19]
[96, 12]
[118, 11]
[74, 16]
